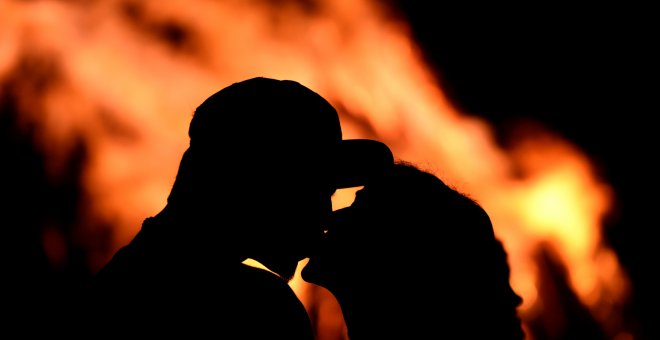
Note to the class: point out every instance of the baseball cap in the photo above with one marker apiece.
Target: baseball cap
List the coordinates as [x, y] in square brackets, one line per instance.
[284, 116]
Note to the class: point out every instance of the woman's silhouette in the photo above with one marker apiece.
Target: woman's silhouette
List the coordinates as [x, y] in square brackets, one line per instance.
[413, 258]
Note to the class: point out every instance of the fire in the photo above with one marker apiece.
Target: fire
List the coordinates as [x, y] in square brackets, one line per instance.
[123, 78]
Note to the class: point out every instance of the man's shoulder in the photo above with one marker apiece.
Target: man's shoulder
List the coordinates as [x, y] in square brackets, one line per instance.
[271, 299]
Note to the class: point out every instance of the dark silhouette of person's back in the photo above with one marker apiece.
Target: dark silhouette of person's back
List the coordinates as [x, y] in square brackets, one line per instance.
[412, 258]
[265, 157]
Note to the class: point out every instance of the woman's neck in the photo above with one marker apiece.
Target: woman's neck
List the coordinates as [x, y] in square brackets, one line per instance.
[369, 314]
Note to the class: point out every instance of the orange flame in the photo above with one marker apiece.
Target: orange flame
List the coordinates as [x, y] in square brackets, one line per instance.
[129, 75]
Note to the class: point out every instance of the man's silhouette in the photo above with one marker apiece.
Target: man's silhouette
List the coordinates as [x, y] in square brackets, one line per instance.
[256, 182]
[412, 258]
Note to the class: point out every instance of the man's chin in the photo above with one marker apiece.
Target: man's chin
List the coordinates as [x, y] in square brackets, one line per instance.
[309, 273]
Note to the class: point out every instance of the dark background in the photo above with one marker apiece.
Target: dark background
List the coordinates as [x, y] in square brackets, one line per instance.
[586, 73]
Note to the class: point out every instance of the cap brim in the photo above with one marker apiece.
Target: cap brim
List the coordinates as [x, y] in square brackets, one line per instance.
[359, 161]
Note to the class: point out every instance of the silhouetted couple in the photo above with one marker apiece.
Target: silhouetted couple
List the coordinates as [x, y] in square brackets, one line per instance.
[256, 182]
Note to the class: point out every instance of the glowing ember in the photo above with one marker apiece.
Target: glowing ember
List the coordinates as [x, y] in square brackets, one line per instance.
[124, 77]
